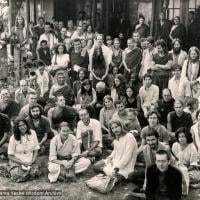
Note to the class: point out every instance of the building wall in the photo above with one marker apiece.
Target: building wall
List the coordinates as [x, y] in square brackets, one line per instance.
[136, 7]
[44, 8]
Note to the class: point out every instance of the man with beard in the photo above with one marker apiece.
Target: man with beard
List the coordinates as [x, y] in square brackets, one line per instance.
[147, 57]
[8, 106]
[22, 94]
[148, 157]
[40, 124]
[178, 55]
[32, 101]
[43, 53]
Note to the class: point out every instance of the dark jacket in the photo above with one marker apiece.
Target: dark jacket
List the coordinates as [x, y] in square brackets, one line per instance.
[45, 57]
[173, 181]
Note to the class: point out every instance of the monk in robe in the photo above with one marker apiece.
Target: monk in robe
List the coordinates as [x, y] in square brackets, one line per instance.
[132, 62]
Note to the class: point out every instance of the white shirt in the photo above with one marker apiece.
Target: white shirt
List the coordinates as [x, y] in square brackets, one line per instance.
[95, 126]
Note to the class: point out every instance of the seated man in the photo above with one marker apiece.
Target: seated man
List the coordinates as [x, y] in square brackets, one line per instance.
[163, 181]
[148, 156]
[122, 160]
[7, 105]
[64, 161]
[40, 124]
[62, 88]
[84, 105]
[22, 93]
[149, 94]
[62, 113]
[153, 120]
[178, 118]
[44, 53]
[24, 112]
[89, 135]
[101, 91]
[165, 105]
[122, 113]
[132, 124]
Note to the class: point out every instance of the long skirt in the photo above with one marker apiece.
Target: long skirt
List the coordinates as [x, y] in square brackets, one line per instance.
[55, 169]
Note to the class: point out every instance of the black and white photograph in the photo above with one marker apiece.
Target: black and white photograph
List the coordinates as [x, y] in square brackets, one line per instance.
[99, 99]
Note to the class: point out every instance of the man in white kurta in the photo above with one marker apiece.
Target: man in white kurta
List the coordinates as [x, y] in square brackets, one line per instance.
[123, 156]
[59, 151]
[122, 160]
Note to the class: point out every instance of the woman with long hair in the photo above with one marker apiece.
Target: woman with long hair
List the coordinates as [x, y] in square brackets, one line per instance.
[122, 160]
[22, 152]
[82, 75]
[60, 59]
[19, 39]
[106, 112]
[186, 153]
[118, 88]
[131, 97]
[99, 67]
[87, 92]
[191, 71]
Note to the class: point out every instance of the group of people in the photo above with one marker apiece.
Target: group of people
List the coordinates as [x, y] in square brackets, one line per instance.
[78, 98]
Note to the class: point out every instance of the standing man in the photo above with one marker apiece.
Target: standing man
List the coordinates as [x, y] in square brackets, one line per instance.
[142, 28]
[132, 61]
[48, 36]
[79, 57]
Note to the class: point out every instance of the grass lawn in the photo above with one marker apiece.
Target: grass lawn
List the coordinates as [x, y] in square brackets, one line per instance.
[71, 191]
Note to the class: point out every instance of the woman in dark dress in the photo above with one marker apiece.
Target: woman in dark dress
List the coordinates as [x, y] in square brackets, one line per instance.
[100, 67]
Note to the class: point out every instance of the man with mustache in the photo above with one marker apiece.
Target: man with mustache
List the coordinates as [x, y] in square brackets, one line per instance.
[177, 53]
[40, 124]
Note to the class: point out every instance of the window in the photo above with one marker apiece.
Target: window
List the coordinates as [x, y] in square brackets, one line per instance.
[174, 8]
[193, 4]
